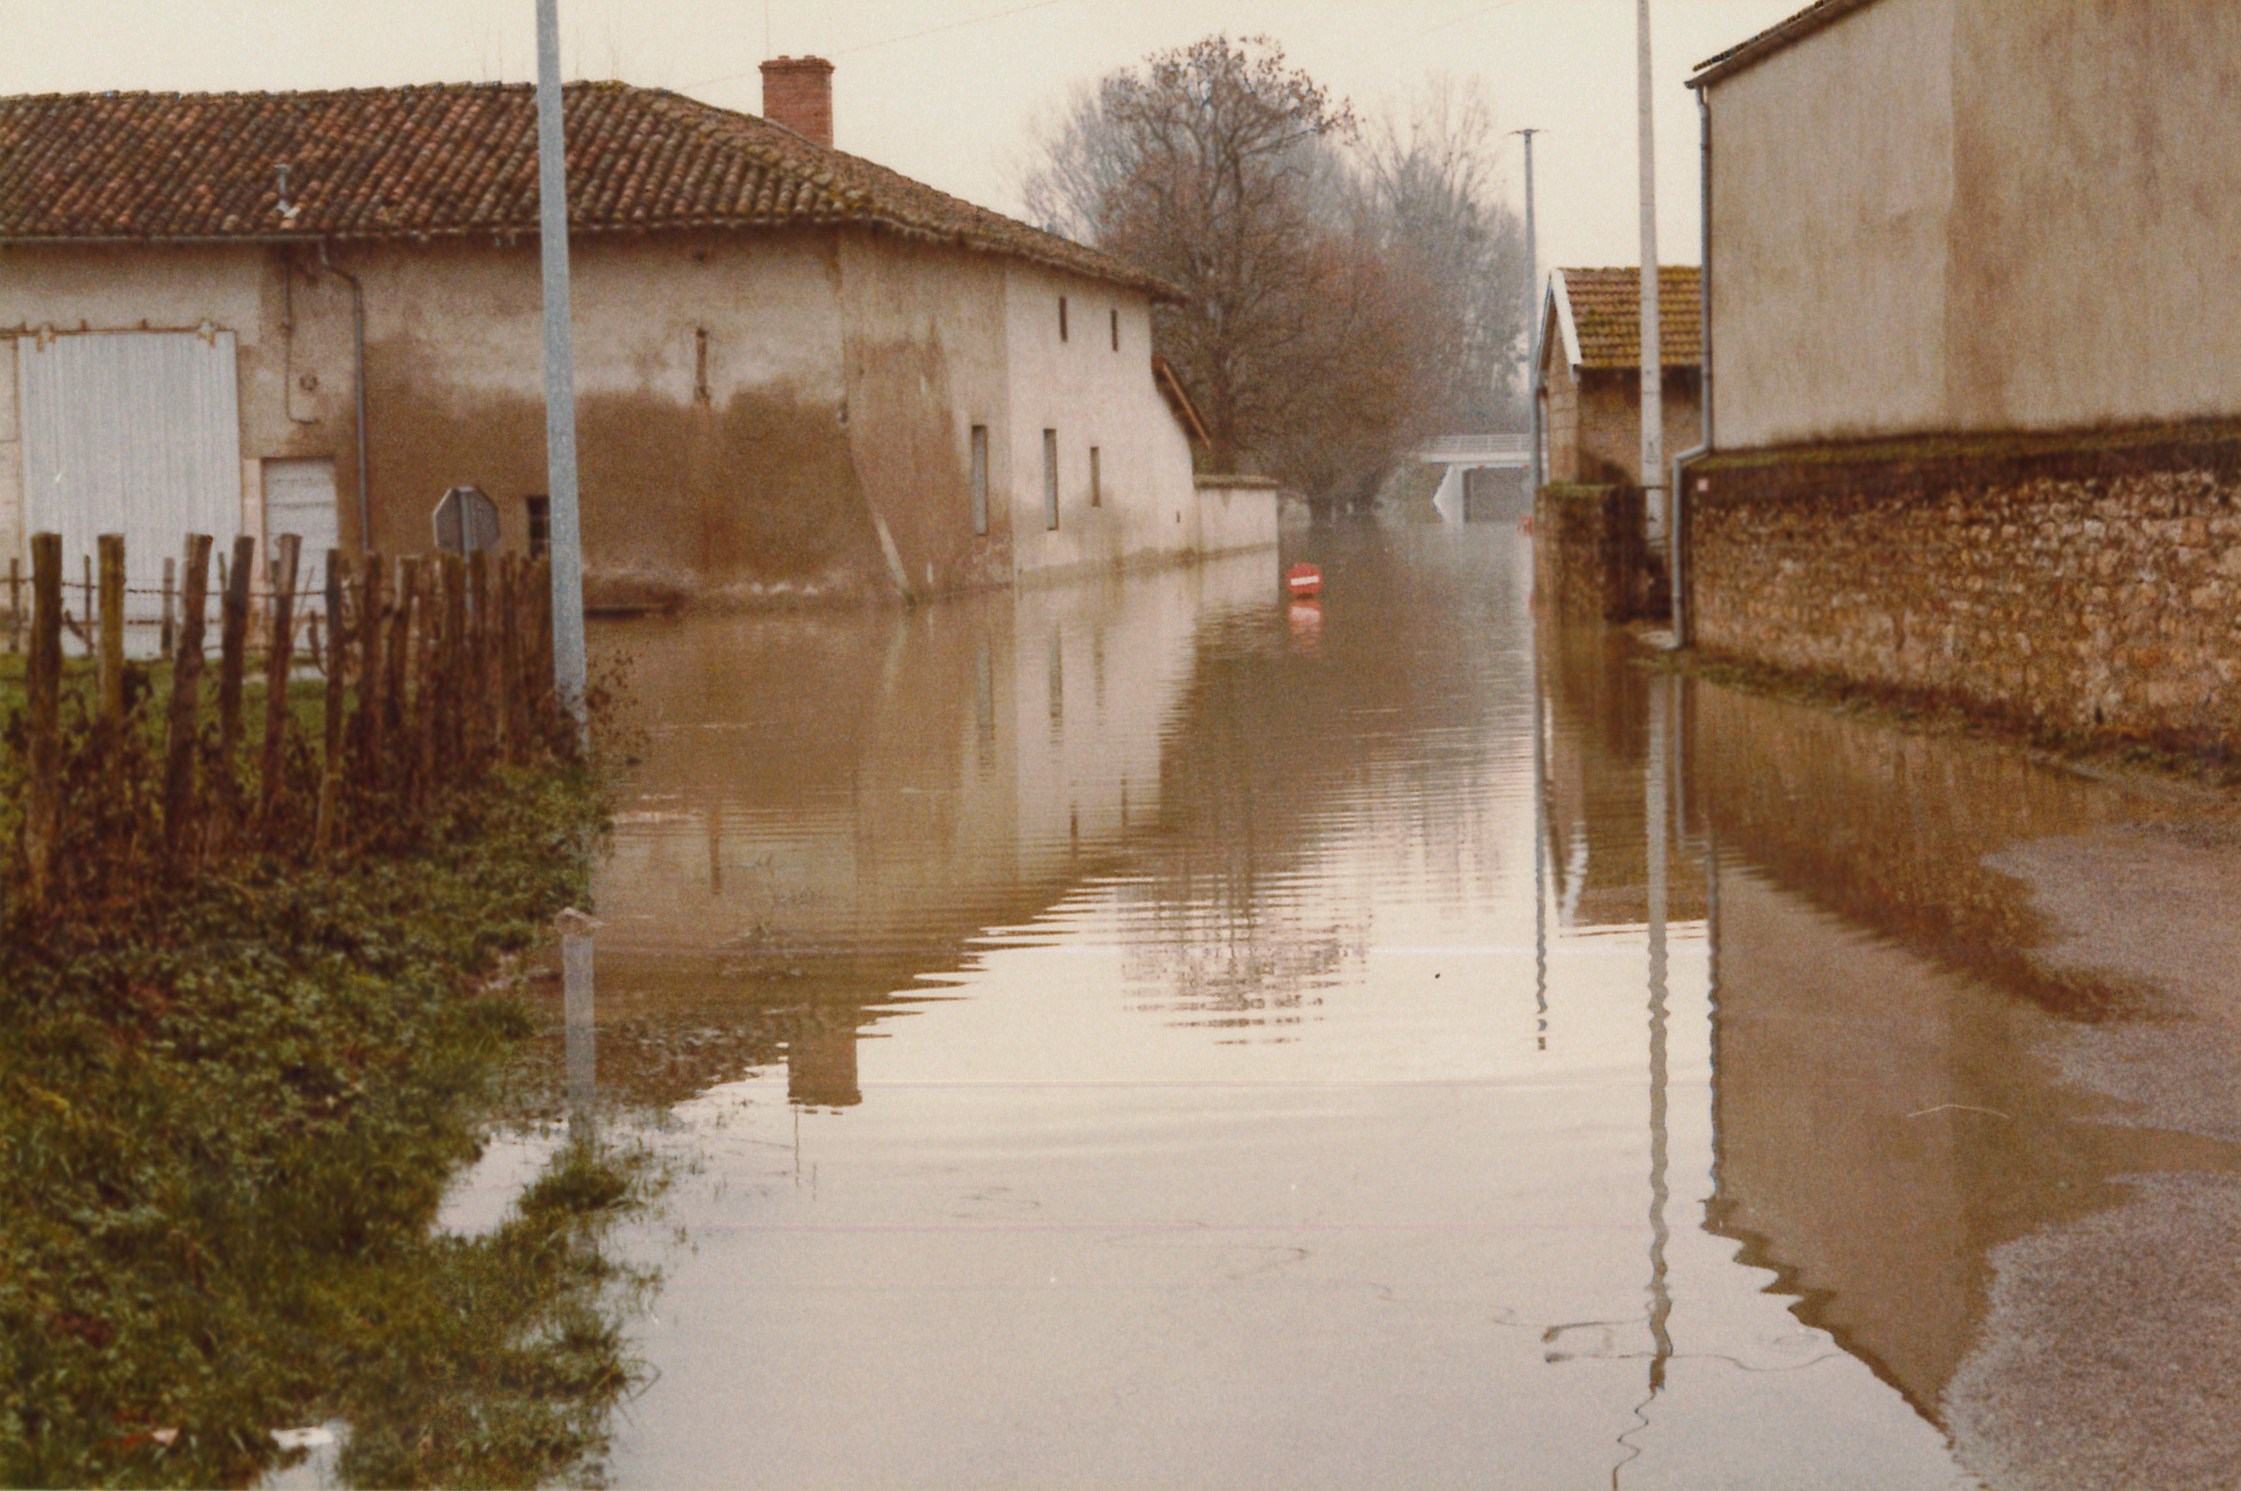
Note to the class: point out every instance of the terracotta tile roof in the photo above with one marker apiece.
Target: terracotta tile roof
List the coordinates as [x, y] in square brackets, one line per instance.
[452, 160]
[1606, 315]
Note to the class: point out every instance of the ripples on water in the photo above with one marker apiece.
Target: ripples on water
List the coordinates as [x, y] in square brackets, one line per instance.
[1146, 1034]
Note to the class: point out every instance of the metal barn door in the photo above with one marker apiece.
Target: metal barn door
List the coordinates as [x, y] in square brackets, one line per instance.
[300, 499]
[137, 433]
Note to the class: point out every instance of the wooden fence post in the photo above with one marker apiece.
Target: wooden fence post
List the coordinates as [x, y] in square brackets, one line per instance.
[112, 546]
[373, 627]
[559, 728]
[42, 819]
[536, 662]
[279, 659]
[186, 707]
[85, 604]
[509, 656]
[170, 588]
[337, 656]
[233, 652]
[474, 694]
[429, 696]
[398, 772]
[454, 657]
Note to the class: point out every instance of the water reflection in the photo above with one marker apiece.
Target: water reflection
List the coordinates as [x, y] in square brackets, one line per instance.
[580, 1032]
[1138, 1034]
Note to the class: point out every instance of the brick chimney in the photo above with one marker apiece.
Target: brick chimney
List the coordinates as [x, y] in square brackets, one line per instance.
[798, 93]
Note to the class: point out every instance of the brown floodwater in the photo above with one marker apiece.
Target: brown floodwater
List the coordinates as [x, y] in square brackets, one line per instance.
[1147, 1034]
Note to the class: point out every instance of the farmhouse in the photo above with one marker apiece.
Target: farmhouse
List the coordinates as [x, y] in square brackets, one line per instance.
[798, 373]
[1590, 378]
[1976, 358]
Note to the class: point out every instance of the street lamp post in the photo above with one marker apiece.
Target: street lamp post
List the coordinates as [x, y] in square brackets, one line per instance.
[1653, 360]
[1532, 317]
[566, 537]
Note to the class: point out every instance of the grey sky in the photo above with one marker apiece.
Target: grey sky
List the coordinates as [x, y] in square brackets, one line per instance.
[955, 107]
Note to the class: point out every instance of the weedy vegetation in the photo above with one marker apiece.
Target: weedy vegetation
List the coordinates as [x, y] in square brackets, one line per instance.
[233, 1084]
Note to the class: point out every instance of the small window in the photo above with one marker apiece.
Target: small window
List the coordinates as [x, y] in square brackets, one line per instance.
[540, 525]
[1062, 318]
[1116, 331]
[1096, 479]
[1050, 479]
[980, 479]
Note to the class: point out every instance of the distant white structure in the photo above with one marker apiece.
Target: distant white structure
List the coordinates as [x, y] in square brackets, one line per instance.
[1463, 454]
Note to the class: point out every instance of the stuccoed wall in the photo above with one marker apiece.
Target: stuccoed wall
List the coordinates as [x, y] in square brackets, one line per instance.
[1979, 215]
[2089, 587]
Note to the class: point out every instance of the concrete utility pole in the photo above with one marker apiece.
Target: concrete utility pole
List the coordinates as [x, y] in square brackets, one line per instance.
[560, 376]
[1532, 316]
[1653, 359]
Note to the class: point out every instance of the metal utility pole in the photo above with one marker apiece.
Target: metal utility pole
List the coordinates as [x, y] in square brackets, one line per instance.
[560, 376]
[1653, 360]
[1532, 316]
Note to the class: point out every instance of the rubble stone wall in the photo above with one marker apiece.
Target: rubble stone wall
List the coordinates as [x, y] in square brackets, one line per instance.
[1587, 551]
[2092, 587]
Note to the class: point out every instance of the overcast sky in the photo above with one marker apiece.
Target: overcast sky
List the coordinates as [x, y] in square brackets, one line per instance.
[949, 91]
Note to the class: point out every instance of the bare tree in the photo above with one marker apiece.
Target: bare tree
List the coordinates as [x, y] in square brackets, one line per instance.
[1202, 168]
[1432, 174]
[1340, 299]
[1077, 165]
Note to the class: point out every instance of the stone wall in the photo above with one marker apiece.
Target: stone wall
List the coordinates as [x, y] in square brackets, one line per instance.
[1587, 551]
[2081, 586]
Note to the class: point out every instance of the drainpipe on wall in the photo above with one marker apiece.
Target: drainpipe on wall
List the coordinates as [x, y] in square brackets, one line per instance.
[357, 385]
[1676, 535]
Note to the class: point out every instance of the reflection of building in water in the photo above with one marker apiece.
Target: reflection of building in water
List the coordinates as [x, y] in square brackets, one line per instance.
[1292, 765]
[1884, 1115]
[1597, 749]
[829, 806]
[821, 1057]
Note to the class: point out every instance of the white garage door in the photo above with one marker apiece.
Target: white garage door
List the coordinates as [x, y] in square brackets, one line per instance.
[137, 433]
[300, 499]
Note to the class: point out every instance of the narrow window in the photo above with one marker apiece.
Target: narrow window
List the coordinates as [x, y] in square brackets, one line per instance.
[701, 392]
[1050, 478]
[540, 526]
[1116, 331]
[1062, 318]
[980, 479]
[1096, 479]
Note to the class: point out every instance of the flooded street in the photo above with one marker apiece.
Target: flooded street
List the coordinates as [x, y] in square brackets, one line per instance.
[1140, 1034]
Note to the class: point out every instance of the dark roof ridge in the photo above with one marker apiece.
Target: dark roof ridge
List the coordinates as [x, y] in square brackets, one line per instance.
[1780, 36]
[422, 160]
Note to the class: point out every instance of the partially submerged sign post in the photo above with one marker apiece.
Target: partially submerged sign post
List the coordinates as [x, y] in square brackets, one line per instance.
[560, 376]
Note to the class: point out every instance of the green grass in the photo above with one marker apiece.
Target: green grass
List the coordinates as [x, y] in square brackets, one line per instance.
[227, 1116]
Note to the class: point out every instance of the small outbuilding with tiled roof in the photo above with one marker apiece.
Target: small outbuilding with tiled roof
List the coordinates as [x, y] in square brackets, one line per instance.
[797, 371]
[1590, 378]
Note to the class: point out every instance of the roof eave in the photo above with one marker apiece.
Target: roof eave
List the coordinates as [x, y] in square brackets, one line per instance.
[1816, 17]
[1156, 289]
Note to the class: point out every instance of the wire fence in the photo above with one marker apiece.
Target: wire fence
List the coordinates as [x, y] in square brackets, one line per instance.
[435, 669]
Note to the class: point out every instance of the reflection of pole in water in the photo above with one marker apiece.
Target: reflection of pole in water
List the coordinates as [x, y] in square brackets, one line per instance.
[583, 1050]
[1655, 795]
[1657, 789]
[1540, 821]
